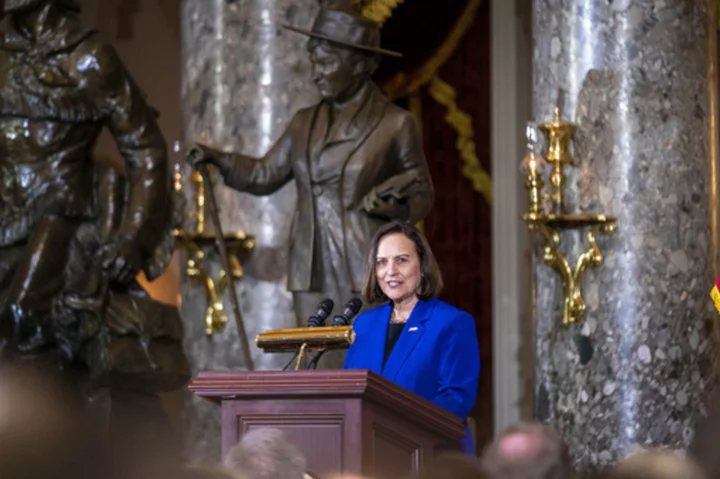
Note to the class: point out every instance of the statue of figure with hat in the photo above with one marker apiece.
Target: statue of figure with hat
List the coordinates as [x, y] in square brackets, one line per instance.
[73, 234]
[356, 158]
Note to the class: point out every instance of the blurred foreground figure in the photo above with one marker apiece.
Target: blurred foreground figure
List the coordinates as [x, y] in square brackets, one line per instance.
[45, 431]
[528, 451]
[453, 466]
[266, 453]
[73, 235]
[195, 472]
[703, 449]
[656, 465]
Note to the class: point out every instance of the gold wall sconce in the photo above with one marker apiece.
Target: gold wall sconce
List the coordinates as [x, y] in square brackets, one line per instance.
[558, 139]
[196, 243]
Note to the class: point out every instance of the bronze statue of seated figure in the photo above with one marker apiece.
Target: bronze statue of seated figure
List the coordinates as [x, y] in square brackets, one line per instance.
[74, 235]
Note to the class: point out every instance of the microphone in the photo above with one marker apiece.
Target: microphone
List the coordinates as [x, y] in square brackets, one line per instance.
[317, 319]
[351, 309]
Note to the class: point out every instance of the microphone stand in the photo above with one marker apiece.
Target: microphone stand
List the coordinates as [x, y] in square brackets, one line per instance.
[314, 361]
[291, 360]
[313, 364]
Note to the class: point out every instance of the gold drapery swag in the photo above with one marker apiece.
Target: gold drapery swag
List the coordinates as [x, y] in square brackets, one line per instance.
[379, 10]
[403, 85]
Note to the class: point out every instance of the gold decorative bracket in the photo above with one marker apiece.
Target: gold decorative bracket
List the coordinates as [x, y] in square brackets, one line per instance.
[239, 246]
[549, 227]
[558, 155]
[197, 242]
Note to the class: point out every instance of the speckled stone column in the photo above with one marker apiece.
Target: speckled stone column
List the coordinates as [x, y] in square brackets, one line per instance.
[244, 77]
[639, 82]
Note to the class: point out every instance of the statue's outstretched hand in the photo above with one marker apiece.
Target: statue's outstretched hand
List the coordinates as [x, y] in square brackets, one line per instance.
[122, 259]
[200, 154]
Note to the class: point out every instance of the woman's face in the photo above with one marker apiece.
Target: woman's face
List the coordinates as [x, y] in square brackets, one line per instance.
[397, 267]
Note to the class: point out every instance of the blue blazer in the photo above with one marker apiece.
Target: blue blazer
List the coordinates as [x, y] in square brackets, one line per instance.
[436, 356]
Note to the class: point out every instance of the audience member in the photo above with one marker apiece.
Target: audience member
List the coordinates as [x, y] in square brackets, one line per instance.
[181, 471]
[47, 430]
[44, 429]
[528, 451]
[703, 449]
[453, 466]
[210, 472]
[656, 465]
[266, 454]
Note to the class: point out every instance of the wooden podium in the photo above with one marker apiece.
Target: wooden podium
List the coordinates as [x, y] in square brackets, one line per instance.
[344, 421]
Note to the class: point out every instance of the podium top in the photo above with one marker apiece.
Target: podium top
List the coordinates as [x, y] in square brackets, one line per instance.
[217, 386]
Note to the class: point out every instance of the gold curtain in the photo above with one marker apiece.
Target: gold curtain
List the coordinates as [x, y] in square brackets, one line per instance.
[380, 10]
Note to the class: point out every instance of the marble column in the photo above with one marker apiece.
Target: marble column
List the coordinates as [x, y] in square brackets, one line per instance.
[244, 77]
[513, 355]
[639, 77]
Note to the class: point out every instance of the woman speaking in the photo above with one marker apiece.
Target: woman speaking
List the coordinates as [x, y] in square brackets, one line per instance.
[415, 340]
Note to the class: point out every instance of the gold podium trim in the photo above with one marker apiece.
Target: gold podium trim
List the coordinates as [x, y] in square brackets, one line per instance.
[309, 339]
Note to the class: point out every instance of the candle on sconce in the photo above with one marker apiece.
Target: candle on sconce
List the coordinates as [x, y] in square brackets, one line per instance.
[531, 168]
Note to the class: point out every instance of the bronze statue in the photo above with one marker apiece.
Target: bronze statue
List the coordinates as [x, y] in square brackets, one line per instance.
[73, 235]
[356, 158]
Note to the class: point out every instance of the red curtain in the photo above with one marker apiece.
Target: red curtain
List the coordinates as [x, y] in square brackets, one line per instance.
[458, 228]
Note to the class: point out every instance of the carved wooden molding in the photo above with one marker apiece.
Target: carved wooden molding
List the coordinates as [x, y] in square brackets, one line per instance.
[344, 384]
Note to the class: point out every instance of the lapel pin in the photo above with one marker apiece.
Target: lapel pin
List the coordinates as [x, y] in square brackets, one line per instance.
[414, 328]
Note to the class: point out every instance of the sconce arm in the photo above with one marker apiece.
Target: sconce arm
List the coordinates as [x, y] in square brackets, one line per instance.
[239, 246]
[548, 227]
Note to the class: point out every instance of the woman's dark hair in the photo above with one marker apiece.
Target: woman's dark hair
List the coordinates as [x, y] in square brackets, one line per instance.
[431, 282]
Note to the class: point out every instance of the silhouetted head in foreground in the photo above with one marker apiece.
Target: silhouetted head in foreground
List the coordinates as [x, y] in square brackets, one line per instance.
[528, 451]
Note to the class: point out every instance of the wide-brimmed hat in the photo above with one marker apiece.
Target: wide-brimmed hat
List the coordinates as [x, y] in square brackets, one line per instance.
[348, 29]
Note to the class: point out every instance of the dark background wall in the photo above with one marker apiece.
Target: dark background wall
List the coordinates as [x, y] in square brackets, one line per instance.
[146, 34]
